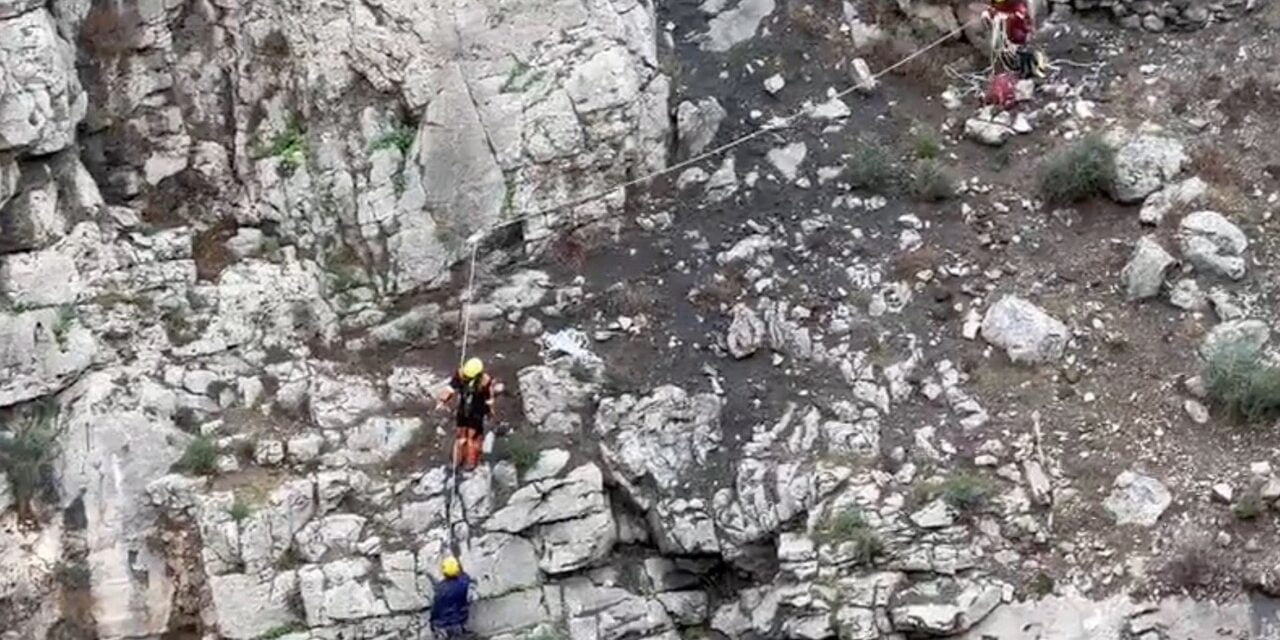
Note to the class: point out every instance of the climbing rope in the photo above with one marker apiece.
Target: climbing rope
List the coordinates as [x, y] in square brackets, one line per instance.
[475, 239]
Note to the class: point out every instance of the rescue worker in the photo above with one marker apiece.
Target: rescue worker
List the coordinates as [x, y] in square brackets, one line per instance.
[1018, 23]
[473, 389]
[451, 607]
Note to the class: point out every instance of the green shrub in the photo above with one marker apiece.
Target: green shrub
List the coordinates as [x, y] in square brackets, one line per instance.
[1248, 507]
[27, 453]
[965, 492]
[73, 575]
[283, 630]
[521, 450]
[925, 143]
[931, 182]
[200, 457]
[1240, 380]
[849, 526]
[290, 147]
[400, 138]
[67, 315]
[1084, 170]
[240, 509]
[870, 167]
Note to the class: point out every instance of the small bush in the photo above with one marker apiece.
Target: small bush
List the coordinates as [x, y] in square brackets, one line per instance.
[965, 492]
[1195, 566]
[27, 453]
[290, 147]
[1248, 507]
[931, 182]
[925, 144]
[849, 526]
[282, 631]
[1237, 378]
[547, 633]
[870, 167]
[1084, 170]
[400, 138]
[521, 451]
[67, 315]
[74, 576]
[240, 509]
[200, 457]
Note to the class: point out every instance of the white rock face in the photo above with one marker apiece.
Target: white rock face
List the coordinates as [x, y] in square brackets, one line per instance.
[738, 24]
[1024, 331]
[41, 351]
[248, 608]
[1137, 500]
[1144, 275]
[1189, 192]
[787, 160]
[943, 607]
[1213, 244]
[42, 101]
[1144, 163]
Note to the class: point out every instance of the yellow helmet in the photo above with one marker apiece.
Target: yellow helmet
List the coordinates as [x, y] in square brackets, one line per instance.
[451, 568]
[471, 369]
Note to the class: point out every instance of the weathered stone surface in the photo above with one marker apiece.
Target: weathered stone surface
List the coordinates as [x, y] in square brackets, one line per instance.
[515, 611]
[787, 160]
[1248, 336]
[500, 563]
[578, 494]
[570, 545]
[1189, 192]
[1024, 331]
[339, 591]
[42, 102]
[248, 607]
[943, 607]
[988, 132]
[377, 439]
[552, 396]
[1213, 244]
[1144, 275]
[657, 440]
[735, 25]
[697, 124]
[746, 332]
[41, 351]
[1137, 499]
[1144, 163]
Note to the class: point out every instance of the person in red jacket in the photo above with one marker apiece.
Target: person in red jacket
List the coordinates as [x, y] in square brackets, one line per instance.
[1018, 23]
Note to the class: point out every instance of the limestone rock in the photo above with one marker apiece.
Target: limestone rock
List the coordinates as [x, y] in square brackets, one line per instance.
[988, 132]
[735, 25]
[552, 396]
[943, 607]
[500, 563]
[578, 494]
[378, 439]
[41, 352]
[43, 102]
[1213, 244]
[1144, 163]
[1024, 331]
[697, 124]
[653, 443]
[1189, 192]
[1247, 335]
[339, 591]
[746, 332]
[515, 611]
[787, 160]
[1137, 499]
[247, 607]
[1144, 275]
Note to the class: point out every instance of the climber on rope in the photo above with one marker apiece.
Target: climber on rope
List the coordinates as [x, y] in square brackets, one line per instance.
[451, 607]
[1013, 24]
[474, 390]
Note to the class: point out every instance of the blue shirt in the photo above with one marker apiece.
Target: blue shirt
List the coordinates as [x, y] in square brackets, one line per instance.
[451, 608]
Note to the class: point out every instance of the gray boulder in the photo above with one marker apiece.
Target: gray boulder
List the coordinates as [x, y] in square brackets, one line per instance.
[697, 124]
[1144, 274]
[652, 444]
[1024, 331]
[1213, 244]
[1143, 164]
[787, 160]
[988, 132]
[1159, 204]
[943, 607]
[1137, 499]
[746, 332]
[249, 607]
[1248, 335]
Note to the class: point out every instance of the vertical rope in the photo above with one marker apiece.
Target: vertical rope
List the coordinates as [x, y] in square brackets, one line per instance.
[466, 301]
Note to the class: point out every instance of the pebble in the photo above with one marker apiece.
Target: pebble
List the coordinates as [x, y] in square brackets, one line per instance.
[1260, 469]
[1222, 492]
[774, 83]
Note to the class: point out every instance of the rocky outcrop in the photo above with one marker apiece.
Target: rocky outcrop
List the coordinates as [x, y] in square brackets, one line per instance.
[1144, 163]
[1024, 331]
[1213, 244]
[1143, 276]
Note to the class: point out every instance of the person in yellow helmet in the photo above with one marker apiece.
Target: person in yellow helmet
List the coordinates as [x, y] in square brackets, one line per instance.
[451, 606]
[473, 388]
